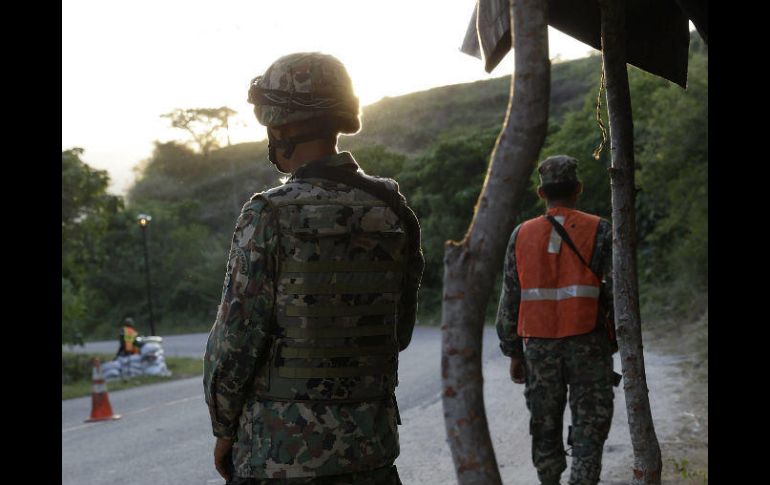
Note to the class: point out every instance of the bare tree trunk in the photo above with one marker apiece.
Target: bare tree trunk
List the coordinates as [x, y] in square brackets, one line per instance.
[647, 459]
[470, 266]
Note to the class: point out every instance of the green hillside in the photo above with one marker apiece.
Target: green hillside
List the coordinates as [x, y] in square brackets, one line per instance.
[411, 123]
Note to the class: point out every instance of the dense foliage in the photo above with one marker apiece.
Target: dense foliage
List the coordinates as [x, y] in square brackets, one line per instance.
[437, 145]
[86, 211]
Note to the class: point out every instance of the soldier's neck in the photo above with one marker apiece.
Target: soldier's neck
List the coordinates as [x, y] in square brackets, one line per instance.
[307, 152]
[567, 204]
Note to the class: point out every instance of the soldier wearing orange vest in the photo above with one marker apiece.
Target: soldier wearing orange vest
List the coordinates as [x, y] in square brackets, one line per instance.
[127, 339]
[553, 321]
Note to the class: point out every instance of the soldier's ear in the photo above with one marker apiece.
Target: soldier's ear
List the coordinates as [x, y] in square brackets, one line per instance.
[579, 188]
[540, 192]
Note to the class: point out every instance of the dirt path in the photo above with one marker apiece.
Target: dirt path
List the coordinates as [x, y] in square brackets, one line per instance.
[677, 377]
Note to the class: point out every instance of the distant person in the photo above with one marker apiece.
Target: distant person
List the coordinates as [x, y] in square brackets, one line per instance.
[127, 344]
[319, 297]
[554, 322]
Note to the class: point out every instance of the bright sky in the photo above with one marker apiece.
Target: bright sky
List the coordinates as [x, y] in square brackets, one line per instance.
[126, 63]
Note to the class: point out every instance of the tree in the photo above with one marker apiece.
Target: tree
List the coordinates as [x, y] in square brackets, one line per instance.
[203, 124]
[647, 459]
[86, 210]
[470, 262]
[442, 186]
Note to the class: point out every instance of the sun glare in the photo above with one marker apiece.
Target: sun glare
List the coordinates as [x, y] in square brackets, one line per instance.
[125, 65]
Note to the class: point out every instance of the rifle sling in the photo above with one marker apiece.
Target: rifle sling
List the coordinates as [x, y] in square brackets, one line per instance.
[565, 237]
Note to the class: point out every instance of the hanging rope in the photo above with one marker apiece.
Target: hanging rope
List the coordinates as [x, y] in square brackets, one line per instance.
[597, 153]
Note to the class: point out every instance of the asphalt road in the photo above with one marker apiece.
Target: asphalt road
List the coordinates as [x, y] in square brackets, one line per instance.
[164, 435]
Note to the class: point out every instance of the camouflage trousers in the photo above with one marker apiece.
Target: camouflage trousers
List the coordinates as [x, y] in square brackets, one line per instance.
[581, 364]
[381, 476]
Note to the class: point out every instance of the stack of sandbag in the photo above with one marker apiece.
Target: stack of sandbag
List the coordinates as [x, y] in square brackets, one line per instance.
[111, 370]
[153, 361]
[132, 365]
[149, 362]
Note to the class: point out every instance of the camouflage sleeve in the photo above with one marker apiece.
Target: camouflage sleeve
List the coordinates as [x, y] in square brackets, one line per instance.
[239, 337]
[407, 313]
[510, 298]
[601, 261]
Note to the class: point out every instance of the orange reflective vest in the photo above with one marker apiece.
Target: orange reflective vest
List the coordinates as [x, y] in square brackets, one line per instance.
[129, 337]
[559, 294]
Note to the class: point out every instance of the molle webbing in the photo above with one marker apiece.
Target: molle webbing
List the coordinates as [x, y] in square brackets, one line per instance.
[336, 288]
[330, 372]
[392, 198]
[340, 311]
[338, 332]
[341, 266]
[332, 352]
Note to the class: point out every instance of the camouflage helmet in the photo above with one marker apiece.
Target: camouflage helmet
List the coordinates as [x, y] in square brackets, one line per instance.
[558, 169]
[303, 86]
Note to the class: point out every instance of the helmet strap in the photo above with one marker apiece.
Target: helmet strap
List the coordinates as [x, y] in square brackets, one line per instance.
[289, 144]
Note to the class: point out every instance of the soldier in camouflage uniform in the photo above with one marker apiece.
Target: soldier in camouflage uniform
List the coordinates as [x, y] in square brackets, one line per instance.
[319, 297]
[554, 323]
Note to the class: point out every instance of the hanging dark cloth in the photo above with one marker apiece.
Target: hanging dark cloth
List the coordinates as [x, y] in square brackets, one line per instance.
[657, 40]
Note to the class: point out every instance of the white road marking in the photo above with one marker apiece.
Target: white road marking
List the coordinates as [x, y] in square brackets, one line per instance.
[169, 403]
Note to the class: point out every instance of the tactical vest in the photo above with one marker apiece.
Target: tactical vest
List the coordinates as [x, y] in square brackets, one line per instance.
[340, 276]
[559, 294]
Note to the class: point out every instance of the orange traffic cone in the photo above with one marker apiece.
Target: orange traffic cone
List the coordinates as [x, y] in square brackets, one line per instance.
[100, 401]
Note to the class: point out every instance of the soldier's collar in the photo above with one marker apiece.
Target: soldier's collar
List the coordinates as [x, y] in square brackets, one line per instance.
[341, 160]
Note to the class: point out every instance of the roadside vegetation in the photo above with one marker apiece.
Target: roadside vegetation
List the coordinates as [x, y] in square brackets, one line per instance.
[76, 374]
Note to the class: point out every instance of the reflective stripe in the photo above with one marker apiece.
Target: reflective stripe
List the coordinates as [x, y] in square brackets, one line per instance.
[330, 352]
[347, 203]
[340, 332]
[98, 388]
[330, 372]
[339, 310]
[574, 291]
[338, 289]
[554, 242]
[338, 266]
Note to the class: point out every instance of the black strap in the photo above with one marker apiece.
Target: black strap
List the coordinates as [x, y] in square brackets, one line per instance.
[289, 144]
[565, 237]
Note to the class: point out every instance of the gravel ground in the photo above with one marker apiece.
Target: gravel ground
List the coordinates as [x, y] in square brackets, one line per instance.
[677, 378]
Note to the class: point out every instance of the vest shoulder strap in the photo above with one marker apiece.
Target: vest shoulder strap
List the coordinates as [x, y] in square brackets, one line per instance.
[565, 237]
